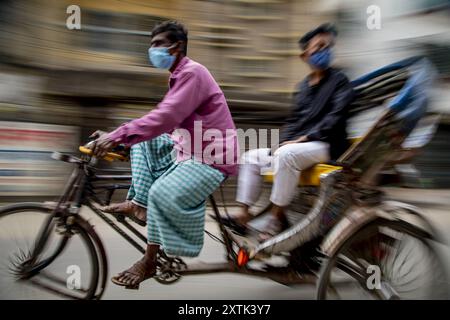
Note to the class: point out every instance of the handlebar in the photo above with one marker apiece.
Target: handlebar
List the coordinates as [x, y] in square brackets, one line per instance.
[110, 156]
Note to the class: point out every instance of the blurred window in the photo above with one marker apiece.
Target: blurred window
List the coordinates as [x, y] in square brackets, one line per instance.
[121, 33]
[253, 66]
[255, 9]
[283, 44]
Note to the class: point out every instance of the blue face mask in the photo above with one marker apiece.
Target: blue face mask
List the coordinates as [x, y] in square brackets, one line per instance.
[161, 58]
[321, 59]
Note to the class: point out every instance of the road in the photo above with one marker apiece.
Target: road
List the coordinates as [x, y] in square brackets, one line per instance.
[435, 205]
[214, 286]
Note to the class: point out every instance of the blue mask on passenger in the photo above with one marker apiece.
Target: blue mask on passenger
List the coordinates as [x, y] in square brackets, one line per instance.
[321, 59]
[161, 58]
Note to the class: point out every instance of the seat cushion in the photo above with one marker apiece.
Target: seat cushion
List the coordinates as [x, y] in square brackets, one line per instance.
[309, 177]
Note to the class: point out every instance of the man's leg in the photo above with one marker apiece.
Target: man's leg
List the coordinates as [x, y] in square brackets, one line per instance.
[141, 177]
[141, 180]
[177, 204]
[149, 159]
[176, 216]
[250, 180]
[289, 161]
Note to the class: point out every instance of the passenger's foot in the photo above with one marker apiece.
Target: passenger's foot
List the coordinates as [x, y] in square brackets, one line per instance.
[237, 224]
[136, 213]
[243, 218]
[132, 277]
[272, 226]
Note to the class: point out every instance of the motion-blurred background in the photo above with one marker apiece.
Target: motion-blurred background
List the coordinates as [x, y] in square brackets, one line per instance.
[58, 85]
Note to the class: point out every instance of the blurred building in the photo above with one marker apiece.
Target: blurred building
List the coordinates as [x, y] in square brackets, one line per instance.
[100, 76]
[420, 27]
[250, 46]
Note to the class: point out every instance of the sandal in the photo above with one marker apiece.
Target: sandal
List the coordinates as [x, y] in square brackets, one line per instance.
[272, 227]
[140, 270]
[127, 209]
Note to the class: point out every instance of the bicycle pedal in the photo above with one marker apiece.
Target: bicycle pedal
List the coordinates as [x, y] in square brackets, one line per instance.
[61, 230]
[119, 217]
[64, 231]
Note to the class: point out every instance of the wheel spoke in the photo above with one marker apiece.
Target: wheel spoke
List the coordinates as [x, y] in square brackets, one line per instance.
[49, 274]
[409, 266]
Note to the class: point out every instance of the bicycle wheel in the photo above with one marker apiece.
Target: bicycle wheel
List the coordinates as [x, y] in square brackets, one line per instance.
[69, 261]
[384, 260]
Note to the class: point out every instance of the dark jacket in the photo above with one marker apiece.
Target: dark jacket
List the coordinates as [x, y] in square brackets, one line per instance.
[320, 112]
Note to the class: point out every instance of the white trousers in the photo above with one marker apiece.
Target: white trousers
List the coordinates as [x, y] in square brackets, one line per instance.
[287, 162]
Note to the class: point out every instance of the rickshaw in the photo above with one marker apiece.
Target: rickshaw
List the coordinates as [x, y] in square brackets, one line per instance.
[348, 239]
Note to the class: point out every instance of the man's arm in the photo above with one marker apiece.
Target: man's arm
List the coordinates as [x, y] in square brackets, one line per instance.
[340, 100]
[179, 103]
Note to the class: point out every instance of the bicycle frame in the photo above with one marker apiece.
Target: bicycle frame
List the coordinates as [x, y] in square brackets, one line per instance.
[230, 265]
[72, 190]
[92, 199]
[81, 189]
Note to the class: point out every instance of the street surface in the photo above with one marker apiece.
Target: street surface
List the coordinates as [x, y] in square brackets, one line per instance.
[435, 205]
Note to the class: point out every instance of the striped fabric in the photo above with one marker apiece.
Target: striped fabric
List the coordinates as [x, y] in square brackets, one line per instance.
[174, 193]
[149, 160]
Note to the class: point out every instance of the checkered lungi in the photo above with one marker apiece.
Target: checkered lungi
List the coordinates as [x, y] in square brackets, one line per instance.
[174, 194]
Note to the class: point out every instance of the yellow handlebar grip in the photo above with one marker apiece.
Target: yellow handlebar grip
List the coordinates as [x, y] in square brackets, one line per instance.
[110, 156]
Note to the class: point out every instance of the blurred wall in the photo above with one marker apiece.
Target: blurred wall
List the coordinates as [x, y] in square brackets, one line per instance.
[419, 27]
[100, 76]
[249, 46]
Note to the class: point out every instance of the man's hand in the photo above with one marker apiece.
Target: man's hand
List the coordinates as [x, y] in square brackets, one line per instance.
[102, 144]
[302, 139]
[97, 134]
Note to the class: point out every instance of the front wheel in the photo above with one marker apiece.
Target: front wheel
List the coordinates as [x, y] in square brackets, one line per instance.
[69, 265]
[384, 260]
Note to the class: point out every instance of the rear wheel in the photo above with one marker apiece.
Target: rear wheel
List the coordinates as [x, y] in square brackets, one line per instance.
[69, 264]
[384, 260]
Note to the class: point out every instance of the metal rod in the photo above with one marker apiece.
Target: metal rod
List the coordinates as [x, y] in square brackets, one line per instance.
[280, 276]
[134, 230]
[116, 228]
[110, 177]
[223, 231]
[284, 277]
[112, 170]
[204, 268]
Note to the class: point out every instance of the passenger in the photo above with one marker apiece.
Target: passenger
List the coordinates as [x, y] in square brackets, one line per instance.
[315, 132]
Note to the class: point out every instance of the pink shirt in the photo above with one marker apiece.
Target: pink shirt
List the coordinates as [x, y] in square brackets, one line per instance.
[195, 111]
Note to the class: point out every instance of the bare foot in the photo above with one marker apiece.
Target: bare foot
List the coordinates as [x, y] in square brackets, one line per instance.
[129, 209]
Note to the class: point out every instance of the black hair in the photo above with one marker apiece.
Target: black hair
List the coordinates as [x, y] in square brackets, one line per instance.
[323, 28]
[177, 32]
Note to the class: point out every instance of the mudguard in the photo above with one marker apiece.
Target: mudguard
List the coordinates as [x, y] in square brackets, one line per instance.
[358, 217]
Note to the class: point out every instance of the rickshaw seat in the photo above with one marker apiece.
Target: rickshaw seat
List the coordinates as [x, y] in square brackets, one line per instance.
[308, 177]
[311, 176]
